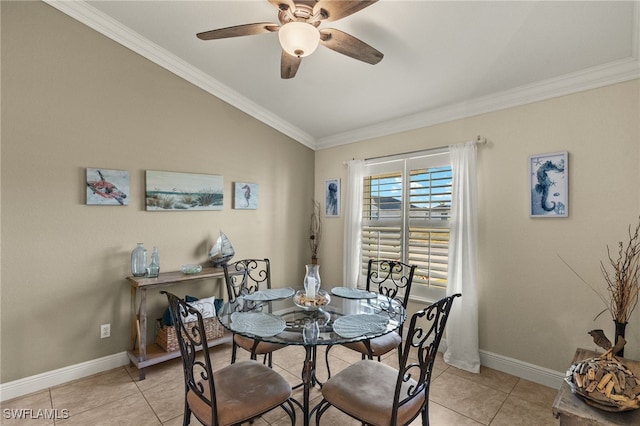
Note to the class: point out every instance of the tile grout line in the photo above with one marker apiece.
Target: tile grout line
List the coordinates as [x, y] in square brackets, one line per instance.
[160, 422]
[504, 402]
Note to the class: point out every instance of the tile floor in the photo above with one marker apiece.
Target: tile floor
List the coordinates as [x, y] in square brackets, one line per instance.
[118, 397]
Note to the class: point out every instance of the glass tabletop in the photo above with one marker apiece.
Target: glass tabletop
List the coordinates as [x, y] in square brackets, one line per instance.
[342, 320]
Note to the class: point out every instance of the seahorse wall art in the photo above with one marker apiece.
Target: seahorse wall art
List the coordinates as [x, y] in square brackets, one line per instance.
[541, 203]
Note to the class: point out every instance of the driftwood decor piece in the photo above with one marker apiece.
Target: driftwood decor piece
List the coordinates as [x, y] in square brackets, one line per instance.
[604, 382]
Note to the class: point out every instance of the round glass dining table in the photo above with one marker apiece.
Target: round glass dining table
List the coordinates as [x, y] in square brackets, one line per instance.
[284, 316]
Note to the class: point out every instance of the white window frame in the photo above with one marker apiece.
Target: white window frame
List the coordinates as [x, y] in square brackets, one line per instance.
[404, 164]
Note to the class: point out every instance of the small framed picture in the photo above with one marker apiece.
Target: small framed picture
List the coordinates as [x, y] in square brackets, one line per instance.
[332, 198]
[107, 187]
[549, 185]
[245, 196]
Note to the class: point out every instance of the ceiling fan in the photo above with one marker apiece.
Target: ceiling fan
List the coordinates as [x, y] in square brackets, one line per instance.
[299, 33]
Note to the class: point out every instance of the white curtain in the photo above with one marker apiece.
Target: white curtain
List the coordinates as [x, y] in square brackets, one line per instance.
[353, 223]
[462, 328]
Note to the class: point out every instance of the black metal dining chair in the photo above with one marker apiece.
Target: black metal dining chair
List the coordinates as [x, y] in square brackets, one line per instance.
[392, 279]
[232, 395]
[377, 394]
[242, 278]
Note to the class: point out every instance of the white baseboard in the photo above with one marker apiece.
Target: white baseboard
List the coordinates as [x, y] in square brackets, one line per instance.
[48, 379]
[57, 377]
[524, 370]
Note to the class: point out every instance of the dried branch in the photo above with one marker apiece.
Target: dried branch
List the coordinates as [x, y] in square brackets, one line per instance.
[315, 230]
[623, 281]
[603, 298]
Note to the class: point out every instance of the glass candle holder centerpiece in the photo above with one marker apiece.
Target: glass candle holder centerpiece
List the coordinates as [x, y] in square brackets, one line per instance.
[311, 280]
[312, 297]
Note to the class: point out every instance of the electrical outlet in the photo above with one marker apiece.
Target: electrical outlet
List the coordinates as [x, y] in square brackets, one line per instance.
[105, 331]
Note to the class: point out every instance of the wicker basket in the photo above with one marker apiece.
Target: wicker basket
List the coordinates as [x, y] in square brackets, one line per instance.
[168, 340]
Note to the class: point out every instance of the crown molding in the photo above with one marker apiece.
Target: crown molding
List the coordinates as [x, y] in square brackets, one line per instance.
[604, 75]
[591, 78]
[105, 25]
[599, 76]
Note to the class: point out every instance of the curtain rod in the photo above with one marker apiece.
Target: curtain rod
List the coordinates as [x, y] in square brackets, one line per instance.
[480, 140]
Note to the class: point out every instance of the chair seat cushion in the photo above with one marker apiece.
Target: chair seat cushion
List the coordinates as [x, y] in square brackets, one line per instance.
[379, 345]
[244, 390]
[365, 390]
[262, 348]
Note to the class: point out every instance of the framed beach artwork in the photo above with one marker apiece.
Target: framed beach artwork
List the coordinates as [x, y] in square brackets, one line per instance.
[549, 185]
[332, 198]
[175, 191]
[107, 187]
[245, 196]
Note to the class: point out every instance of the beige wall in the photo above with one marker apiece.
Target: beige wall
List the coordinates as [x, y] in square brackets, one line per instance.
[72, 99]
[531, 307]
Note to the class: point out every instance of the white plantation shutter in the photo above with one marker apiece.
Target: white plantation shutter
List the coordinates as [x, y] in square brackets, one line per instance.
[405, 216]
[429, 213]
[382, 218]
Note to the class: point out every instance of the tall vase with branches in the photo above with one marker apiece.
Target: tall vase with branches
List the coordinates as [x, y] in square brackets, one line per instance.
[623, 282]
[315, 232]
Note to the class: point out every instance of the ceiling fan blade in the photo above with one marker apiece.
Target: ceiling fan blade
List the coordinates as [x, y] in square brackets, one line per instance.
[332, 10]
[284, 4]
[239, 30]
[289, 65]
[348, 45]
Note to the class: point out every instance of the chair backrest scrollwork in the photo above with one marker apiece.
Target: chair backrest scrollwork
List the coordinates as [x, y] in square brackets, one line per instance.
[390, 278]
[419, 351]
[246, 276]
[191, 336]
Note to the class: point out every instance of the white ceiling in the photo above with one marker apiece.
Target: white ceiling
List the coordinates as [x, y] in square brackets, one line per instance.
[443, 59]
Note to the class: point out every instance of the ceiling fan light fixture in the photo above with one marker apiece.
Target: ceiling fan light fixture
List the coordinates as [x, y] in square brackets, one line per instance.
[299, 38]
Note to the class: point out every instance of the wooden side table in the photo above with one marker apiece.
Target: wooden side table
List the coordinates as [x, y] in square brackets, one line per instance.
[151, 354]
[571, 410]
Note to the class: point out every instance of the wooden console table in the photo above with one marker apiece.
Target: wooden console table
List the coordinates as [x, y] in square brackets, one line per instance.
[573, 411]
[151, 354]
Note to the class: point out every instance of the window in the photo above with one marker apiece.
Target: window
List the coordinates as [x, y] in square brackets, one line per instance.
[406, 214]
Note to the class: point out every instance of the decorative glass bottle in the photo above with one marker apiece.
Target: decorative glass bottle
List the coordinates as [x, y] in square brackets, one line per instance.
[312, 280]
[310, 332]
[139, 261]
[154, 267]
